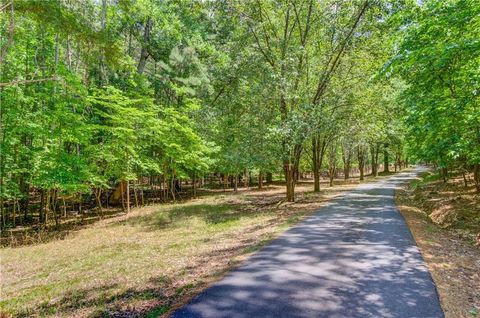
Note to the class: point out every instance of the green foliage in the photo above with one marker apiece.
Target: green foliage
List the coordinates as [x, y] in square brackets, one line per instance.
[98, 92]
[438, 58]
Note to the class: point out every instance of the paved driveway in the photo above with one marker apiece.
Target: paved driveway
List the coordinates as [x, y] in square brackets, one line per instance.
[354, 258]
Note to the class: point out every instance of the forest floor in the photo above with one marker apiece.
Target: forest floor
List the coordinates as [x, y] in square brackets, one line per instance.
[444, 218]
[155, 257]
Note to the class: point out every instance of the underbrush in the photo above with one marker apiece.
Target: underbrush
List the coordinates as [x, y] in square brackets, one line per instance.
[449, 205]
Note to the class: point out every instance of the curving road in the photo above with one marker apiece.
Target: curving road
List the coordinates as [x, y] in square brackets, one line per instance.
[354, 258]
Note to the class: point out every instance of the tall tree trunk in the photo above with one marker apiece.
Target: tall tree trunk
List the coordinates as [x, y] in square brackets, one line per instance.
[269, 178]
[103, 21]
[465, 182]
[98, 194]
[68, 54]
[289, 172]
[476, 176]
[318, 150]
[54, 207]
[296, 174]
[64, 205]
[374, 150]
[332, 163]
[385, 158]
[23, 184]
[290, 168]
[172, 187]
[347, 158]
[25, 201]
[361, 161]
[47, 206]
[374, 168]
[235, 182]
[260, 180]
[80, 204]
[331, 175]
[194, 184]
[128, 196]
[41, 216]
[122, 191]
[14, 213]
[2, 203]
[135, 193]
[147, 26]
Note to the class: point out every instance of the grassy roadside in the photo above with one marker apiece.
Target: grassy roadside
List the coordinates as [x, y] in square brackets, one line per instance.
[151, 260]
[444, 218]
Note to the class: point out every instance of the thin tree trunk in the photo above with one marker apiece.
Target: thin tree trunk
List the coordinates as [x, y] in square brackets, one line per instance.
[144, 52]
[385, 159]
[375, 149]
[194, 184]
[172, 187]
[269, 178]
[316, 164]
[361, 162]
[128, 196]
[41, 215]
[54, 207]
[476, 176]
[98, 194]
[135, 193]
[64, 205]
[444, 172]
[47, 206]
[372, 152]
[260, 180]
[331, 175]
[122, 190]
[14, 213]
[103, 21]
[289, 172]
[465, 182]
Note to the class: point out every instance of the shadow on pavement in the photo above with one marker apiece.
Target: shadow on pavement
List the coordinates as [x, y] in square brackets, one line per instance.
[354, 258]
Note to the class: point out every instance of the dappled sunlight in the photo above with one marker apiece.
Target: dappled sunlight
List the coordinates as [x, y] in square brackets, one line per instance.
[128, 264]
[454, 265]
[355, 257]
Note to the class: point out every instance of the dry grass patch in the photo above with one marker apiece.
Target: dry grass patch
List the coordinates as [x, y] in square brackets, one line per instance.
[151, 260]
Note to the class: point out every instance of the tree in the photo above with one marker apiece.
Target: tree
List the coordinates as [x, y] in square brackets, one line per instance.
[438, 58]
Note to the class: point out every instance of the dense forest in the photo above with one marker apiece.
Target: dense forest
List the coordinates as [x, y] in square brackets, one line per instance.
[122, 102]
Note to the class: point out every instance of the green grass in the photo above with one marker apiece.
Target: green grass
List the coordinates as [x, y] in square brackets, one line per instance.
[149, 260]
[424, 179]
[156, 253]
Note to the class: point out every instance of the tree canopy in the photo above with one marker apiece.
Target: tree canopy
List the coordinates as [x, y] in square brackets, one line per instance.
[102, 100]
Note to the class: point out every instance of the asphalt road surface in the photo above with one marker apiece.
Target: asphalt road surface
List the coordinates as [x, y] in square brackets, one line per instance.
[355, 257]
